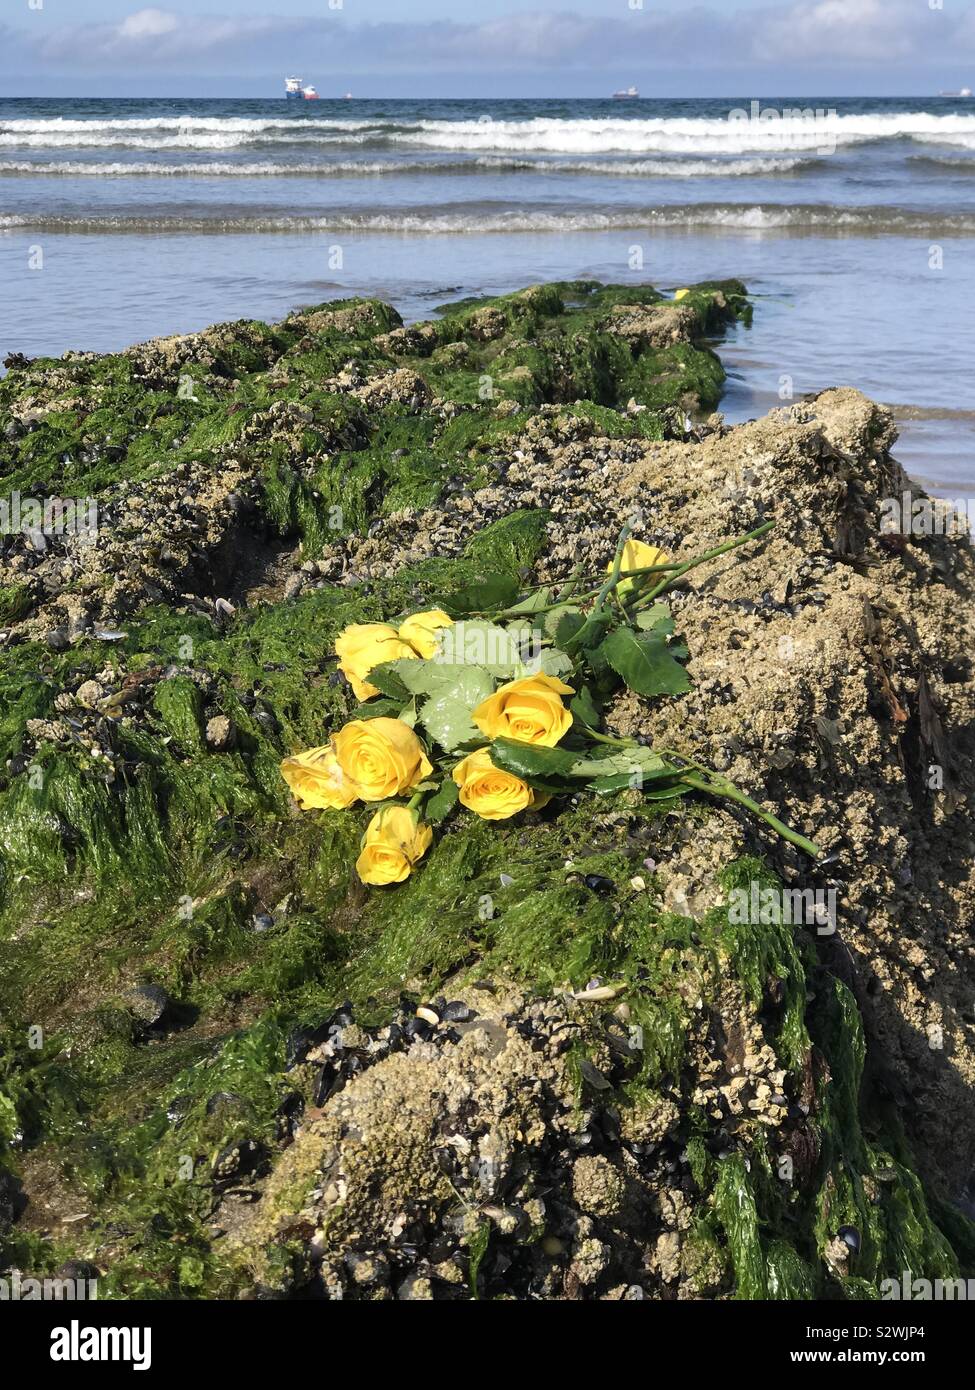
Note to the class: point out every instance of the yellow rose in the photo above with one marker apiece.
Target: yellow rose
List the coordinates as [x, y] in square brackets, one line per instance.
[421, 630]
[681, 294]
[317, 782]
[491, 793]
[529, 710]
[380, 757]
[394, 840]
[637, 556]
[362, 646]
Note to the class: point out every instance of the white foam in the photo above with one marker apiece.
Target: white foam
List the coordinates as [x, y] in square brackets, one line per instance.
[541, 135]
[632, 169]
[479, 220]
[203, 169]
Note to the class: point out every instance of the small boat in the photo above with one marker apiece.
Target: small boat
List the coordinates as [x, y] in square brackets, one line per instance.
[309, 93]
[627, 94]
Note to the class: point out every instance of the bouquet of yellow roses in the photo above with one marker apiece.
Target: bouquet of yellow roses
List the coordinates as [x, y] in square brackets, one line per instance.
[501, 711]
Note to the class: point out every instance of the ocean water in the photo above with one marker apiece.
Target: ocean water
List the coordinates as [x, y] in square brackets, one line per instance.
[855, 228]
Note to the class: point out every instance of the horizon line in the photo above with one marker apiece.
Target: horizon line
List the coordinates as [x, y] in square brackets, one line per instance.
[567, 96]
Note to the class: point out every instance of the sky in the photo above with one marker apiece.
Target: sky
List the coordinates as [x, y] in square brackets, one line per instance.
[442, 48]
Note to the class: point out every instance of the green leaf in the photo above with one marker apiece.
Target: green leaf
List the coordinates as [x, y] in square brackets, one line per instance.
[387, 679]
[563, 622]
[603, 786]
[8, 1118]
[656, 619]
[598, 625]
[541, 599]
[584, 708]
[446, 714]
[531, 762]
[670, 793]
[551, 662]
[646, 663]
[496, 591]
[443, 801]
[474, 642]
[628, 763]
[425, 677]
[380, 708]
[523, 630]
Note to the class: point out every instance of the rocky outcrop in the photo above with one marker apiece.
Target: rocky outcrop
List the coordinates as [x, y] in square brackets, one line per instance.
[560, 1062]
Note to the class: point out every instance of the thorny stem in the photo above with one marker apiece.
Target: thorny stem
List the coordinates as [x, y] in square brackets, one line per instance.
[720, 786]
[673, 570]
[613, 742]
[702, 779]
[607, 588]
[644, 601]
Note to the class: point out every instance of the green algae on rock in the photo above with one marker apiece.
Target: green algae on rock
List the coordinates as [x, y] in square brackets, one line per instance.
[745, 1093]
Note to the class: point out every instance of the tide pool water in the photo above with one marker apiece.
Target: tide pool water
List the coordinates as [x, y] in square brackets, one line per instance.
[854, 228]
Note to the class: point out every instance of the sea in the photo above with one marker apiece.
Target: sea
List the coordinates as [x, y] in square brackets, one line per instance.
[851, 221]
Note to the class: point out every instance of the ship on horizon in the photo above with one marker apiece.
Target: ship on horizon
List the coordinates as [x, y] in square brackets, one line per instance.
[626, 94]
[295, 90]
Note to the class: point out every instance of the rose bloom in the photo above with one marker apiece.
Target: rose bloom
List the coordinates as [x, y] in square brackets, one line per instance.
[637, 556]
[421, 630]
[362, 646]
[317, 782]
[394, 841]
[529, 710]
[491, 793]
[380, 757]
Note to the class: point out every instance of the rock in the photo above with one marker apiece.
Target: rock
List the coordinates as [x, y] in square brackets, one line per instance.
[667, 1252]
[590, 1259]
[553, 1141]
[598, 1186]
[79, 1272]
[221, 734]
[149, 1004]
[242, 1159]
[90, 693]
[415, 1288]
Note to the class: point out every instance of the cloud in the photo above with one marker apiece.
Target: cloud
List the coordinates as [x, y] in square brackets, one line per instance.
[147, 24]
[161, 38]
[798, 34]
[863, 31]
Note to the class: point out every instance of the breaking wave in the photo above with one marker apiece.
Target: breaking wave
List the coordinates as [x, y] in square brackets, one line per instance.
[644, 168]
[480, 219]
[539, 135]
